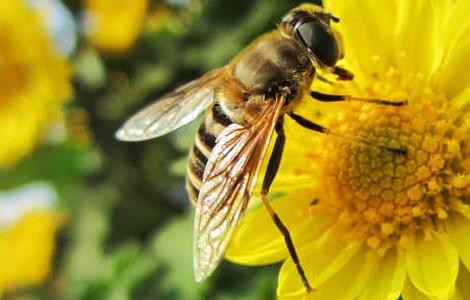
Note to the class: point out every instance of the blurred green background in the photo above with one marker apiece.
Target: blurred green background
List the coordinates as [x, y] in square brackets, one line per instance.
[126, 228]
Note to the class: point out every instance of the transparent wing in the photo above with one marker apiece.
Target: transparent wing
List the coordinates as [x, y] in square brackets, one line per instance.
[173, 111]
[228, 181]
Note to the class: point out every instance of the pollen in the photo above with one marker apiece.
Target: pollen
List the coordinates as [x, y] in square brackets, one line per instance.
[385, 196]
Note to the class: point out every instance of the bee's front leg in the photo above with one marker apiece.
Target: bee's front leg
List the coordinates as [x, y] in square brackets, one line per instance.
[342, 74]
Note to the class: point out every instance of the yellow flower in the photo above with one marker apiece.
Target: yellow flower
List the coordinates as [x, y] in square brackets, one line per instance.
[27, 236]
[33, 81]
[113, 26]
[368, 223]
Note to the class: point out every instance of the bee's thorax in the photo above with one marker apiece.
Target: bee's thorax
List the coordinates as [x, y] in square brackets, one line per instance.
[272, 66]
[270, 61]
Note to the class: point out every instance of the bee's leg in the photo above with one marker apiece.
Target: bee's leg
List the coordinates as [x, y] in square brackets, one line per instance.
[342, 74]
[273, 166]
[321, 78]
[336, 98]
[314, 126]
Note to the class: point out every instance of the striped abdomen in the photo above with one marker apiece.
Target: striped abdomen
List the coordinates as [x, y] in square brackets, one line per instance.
[215, 121]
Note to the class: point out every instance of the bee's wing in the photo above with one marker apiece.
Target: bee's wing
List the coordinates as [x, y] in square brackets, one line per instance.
[172, 111]
[228, 181]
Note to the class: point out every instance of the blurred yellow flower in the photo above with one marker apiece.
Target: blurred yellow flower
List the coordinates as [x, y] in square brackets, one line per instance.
[33, 81]
[113, 26]
[369, 223]
[27, 236]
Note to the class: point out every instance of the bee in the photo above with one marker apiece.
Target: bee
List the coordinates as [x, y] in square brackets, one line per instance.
[245, 103]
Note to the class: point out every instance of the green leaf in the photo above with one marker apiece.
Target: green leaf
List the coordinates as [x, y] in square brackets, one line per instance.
[173, 245]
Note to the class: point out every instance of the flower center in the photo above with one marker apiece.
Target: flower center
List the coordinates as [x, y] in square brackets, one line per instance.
[383, 196]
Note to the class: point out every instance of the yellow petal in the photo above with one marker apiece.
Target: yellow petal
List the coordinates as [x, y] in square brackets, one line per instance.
[459, 231]
[411, 293]
[355, 273]
[368, 31]
[258, 241]
[387, 279]
[418, 44]
[321, 260]
[462, 100]
[463, 282]
[457, 296]
[406, 35]
[432, 265]
[453, 76]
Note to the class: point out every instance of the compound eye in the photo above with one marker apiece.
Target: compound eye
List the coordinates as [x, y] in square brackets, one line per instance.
[320, 41]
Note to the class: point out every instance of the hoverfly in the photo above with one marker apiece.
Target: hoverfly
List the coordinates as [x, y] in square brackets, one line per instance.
[245, 102]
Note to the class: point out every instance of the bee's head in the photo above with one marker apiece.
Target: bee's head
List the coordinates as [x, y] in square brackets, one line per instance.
[310, 27]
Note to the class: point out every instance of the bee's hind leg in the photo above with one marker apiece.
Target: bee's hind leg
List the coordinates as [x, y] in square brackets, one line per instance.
[273, 167]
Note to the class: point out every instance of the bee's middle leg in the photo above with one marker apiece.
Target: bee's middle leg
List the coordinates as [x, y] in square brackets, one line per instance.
[319, 128]
[273, 167]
